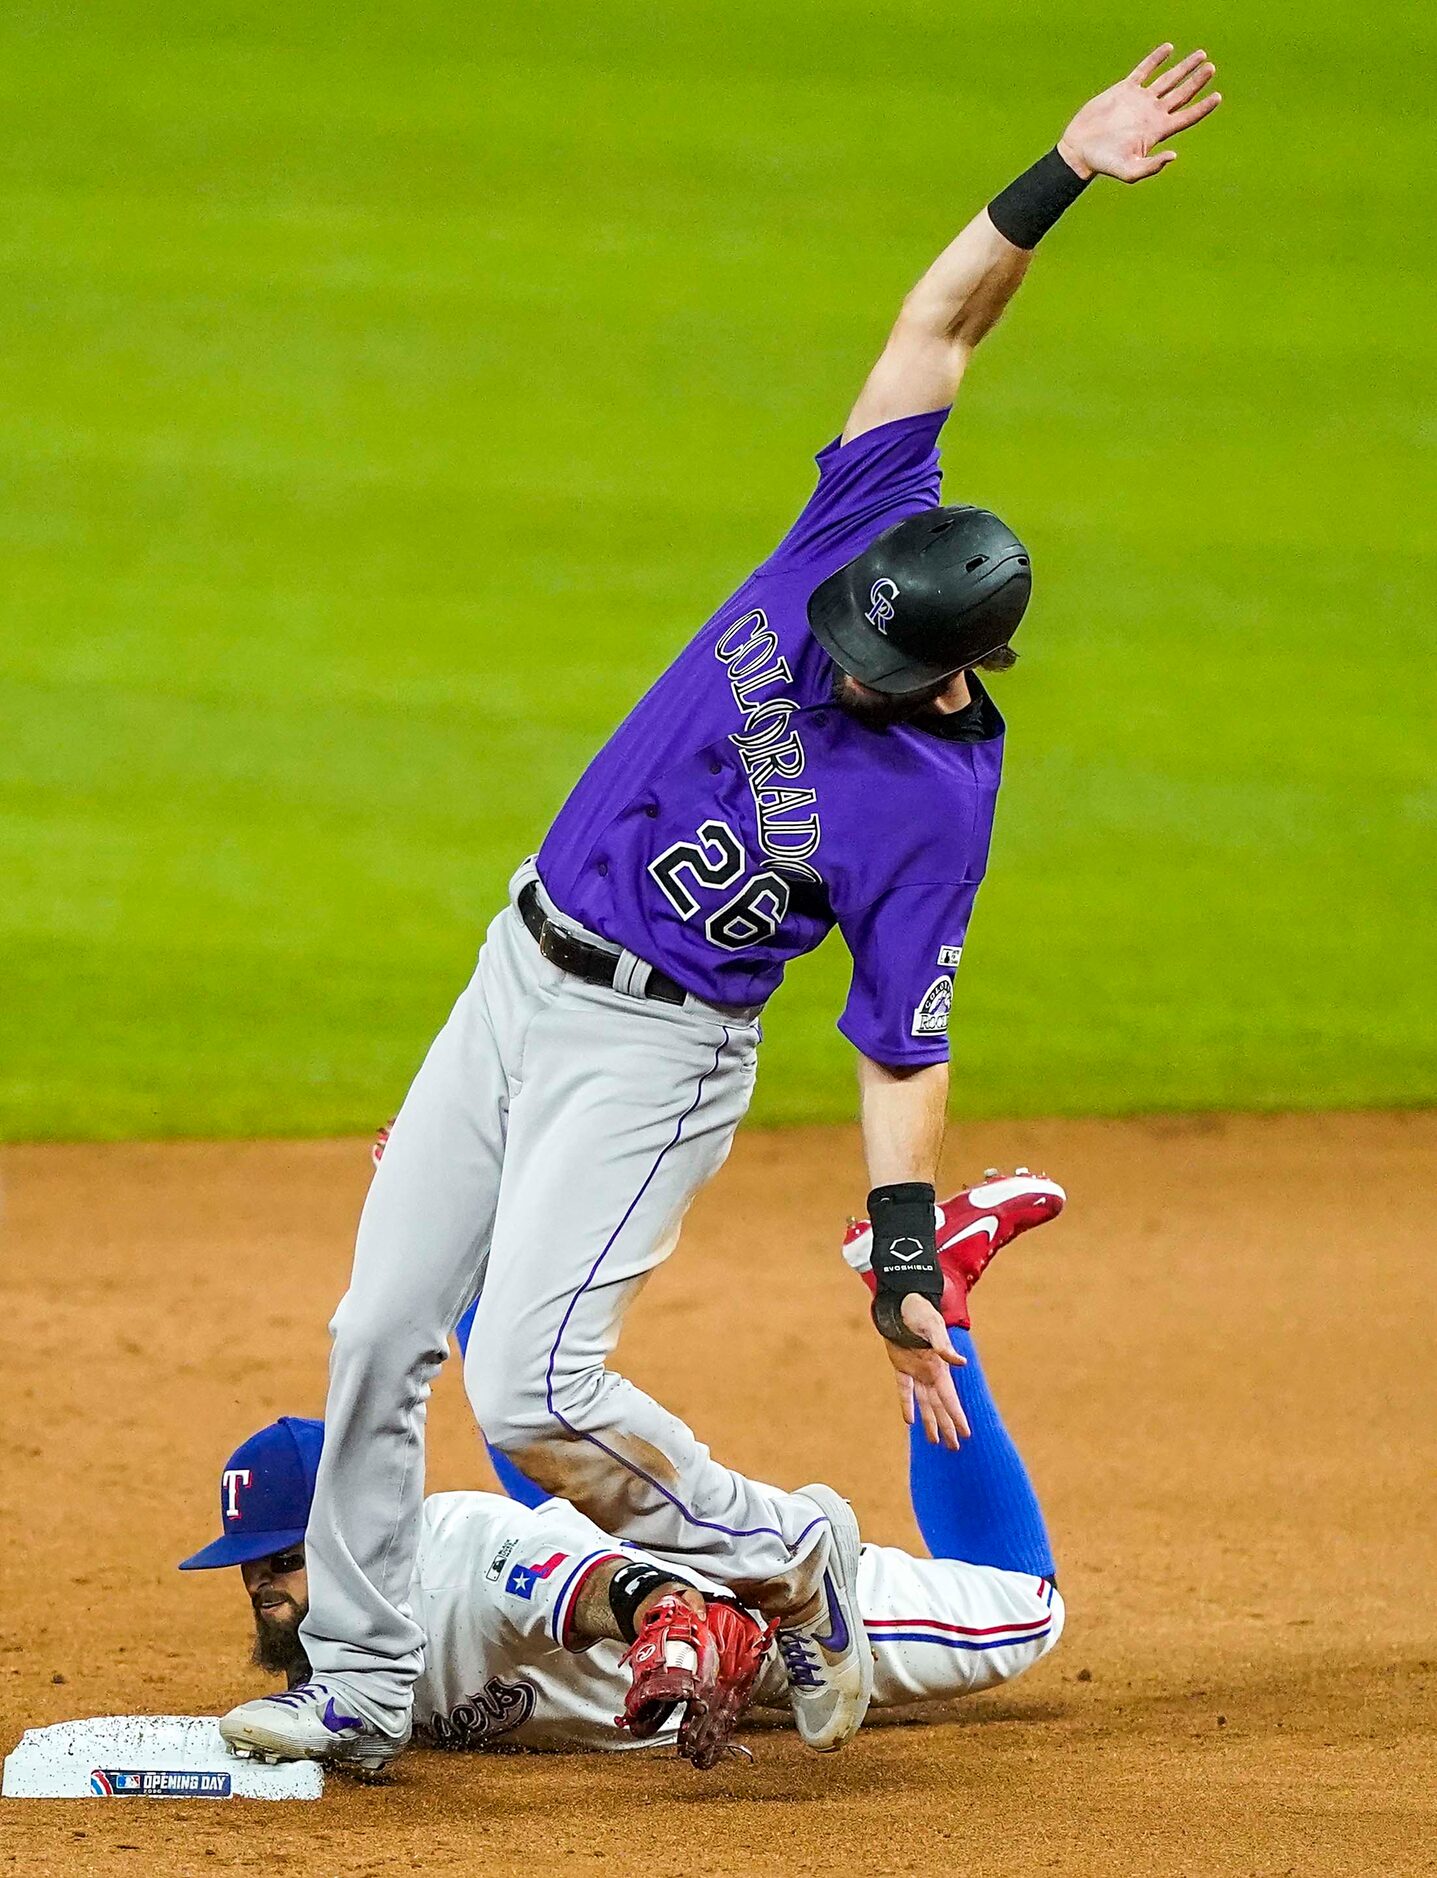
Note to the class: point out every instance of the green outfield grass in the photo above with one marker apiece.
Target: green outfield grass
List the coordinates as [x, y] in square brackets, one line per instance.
[385, 393]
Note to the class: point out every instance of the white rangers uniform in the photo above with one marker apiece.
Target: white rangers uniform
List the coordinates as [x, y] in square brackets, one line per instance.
[496, 1586]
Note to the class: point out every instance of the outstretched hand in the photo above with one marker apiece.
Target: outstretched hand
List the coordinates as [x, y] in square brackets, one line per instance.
[925, 1377]
[1117, 133]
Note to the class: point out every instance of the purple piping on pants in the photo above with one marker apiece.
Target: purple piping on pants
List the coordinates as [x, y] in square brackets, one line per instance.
[708, 1525]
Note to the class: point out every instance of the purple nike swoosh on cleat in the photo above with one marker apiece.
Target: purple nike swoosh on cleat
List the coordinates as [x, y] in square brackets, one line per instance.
[336, 1724]
[837, 1638]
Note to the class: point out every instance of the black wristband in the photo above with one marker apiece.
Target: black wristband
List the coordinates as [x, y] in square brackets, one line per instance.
[904, 1257]
[628, 1588]
[1028, 208]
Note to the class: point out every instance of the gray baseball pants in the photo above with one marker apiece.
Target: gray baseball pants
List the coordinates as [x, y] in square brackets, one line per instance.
[543, 1161]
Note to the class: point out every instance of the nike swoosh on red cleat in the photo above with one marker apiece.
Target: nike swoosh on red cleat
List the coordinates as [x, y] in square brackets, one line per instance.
[988, 1224]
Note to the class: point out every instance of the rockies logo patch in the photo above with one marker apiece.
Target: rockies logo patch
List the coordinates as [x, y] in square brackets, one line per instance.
[931, 1017]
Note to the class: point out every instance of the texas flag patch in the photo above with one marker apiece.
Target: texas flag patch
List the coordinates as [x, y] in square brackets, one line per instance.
[521, 1581]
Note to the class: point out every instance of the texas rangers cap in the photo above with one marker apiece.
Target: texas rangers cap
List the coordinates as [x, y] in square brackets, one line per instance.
[932, 595]
[265, 1493]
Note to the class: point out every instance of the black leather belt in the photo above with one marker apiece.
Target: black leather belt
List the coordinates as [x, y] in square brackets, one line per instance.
[581, 960]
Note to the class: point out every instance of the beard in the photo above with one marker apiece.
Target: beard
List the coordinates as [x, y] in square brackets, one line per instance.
[277, 1647]
[875, 709]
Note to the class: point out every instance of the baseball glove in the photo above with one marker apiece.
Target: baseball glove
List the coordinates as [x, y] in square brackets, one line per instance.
[704, 1663]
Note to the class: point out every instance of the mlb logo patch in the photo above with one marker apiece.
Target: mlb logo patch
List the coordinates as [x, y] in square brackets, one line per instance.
[521, 1581]
[931, 1017]
[948, 957]
[500, 1559]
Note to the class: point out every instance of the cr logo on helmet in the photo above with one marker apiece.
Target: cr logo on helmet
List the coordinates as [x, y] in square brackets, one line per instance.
[881, 596]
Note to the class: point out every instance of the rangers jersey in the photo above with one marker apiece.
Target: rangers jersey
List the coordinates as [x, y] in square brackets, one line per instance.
[497, 1584]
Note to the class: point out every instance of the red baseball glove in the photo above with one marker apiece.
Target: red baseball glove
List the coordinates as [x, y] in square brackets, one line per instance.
[742, 1646]
[705, 1663]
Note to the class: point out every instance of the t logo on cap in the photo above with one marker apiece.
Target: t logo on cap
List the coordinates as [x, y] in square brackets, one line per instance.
[231, 1481]
[266, 1489]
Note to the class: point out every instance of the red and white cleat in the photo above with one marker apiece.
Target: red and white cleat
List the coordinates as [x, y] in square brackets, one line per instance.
[381, 1141]
[972, 1226]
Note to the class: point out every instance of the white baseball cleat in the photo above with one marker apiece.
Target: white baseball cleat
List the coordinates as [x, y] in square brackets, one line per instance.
[311, 1723]
[824, 1648]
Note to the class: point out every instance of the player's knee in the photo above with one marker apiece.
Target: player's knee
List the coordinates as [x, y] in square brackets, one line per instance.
[574, 1397]
[518, 1414]
[382, 1340]
[510, 1415]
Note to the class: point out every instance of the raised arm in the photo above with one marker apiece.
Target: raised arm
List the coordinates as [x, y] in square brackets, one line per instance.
[962, 296]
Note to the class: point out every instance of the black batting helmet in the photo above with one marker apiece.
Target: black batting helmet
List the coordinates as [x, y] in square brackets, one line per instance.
[931, 596]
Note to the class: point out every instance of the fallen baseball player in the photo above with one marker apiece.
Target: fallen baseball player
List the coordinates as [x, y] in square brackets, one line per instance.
[544, 1632]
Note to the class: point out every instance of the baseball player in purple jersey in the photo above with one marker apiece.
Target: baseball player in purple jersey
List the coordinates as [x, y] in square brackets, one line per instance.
[821, 753]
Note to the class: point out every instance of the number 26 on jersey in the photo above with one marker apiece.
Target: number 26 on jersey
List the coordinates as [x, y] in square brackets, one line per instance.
[714, 861]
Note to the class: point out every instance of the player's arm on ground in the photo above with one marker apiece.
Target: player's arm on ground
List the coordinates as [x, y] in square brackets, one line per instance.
[962, 296]
[597, 1616]
[902, 1114]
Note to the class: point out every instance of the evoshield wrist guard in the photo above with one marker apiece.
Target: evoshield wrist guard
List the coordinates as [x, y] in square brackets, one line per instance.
[904, 1257]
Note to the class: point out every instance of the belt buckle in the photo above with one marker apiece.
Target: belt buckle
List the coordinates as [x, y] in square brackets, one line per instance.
[549, 937]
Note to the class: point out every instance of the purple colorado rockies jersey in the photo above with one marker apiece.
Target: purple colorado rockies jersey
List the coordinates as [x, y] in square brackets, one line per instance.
[736, 814]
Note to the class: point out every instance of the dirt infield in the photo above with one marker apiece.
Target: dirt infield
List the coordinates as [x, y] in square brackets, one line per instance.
[1219, 1365]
